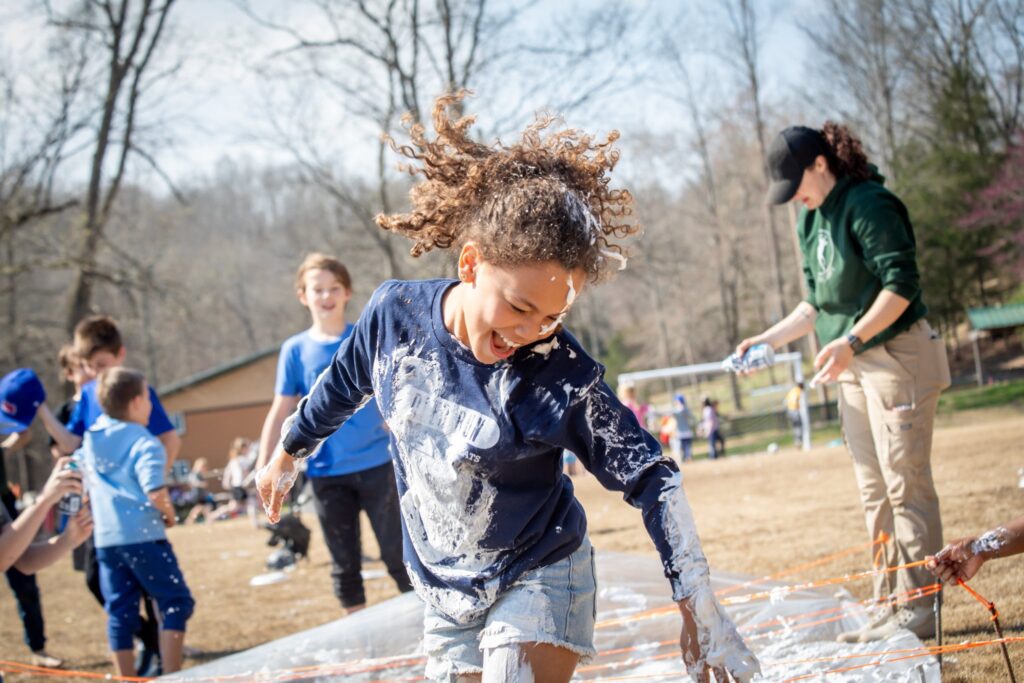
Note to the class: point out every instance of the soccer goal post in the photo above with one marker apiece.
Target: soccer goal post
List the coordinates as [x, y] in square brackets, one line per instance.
[794, 358]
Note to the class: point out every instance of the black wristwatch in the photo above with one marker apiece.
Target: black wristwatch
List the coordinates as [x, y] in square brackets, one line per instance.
[856, 345]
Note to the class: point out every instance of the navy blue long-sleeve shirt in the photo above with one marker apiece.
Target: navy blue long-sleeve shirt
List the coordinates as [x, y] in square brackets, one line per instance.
[478, 449]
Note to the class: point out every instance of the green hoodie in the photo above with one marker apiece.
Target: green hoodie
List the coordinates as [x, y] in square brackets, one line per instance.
[857, 243]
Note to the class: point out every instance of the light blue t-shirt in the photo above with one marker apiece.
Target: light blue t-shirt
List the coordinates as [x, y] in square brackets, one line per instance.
[122, 463]
[363, 441]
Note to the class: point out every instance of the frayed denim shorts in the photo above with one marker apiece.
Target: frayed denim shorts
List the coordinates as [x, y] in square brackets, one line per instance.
[556, 604]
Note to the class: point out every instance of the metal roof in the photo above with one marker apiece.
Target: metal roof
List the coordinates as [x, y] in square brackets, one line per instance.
[218, 370]
[996, 317]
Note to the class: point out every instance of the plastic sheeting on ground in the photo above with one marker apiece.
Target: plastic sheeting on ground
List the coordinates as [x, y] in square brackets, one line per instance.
[793, 634]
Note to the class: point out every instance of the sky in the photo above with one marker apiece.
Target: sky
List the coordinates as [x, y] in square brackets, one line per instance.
[216, 107]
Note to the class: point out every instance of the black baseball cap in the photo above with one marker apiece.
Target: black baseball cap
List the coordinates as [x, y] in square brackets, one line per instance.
[792, 151]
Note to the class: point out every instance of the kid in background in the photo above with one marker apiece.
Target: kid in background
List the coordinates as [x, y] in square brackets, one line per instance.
[483, 390]
[352, 471]
[125, 467]
[98, 345]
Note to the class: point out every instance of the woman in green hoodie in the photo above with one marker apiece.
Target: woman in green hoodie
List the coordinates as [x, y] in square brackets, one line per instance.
[864, 301]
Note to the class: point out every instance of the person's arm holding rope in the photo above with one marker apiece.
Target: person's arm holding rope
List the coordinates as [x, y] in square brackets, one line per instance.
[961, 559]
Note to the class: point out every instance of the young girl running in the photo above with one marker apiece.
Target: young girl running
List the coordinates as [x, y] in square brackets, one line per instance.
[483, 389]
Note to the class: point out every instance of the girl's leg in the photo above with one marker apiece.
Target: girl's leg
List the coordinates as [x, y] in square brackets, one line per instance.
[529, 662]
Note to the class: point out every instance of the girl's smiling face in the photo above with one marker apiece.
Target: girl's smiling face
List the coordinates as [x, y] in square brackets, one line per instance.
[497, 309]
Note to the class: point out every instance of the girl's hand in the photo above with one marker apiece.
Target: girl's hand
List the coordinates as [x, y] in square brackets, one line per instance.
[273, 482]
[832, 360]
[693, 656]
[710, 642]
[61, 482]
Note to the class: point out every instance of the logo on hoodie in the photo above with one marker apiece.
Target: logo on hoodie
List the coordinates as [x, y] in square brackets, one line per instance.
[826, 255]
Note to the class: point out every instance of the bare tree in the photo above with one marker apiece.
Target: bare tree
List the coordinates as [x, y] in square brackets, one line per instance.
[382, 61]
[744, 34]
[723, 249]
[35, 132]
[127, 34]
[862, 48]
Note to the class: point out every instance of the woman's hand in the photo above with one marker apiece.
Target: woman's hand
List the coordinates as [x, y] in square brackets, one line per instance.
[62, 481]
[79, 527]
[832, 361]
[742, 347]
[273, 482]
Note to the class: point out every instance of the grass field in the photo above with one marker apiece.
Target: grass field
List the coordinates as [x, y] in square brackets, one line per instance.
[757, 514]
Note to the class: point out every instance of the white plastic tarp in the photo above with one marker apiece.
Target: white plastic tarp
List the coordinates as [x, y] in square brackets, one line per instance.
[793, 634]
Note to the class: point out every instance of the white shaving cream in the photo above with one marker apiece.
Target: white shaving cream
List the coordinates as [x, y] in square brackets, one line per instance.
[991, 541]
[720, 643]
[570, 297]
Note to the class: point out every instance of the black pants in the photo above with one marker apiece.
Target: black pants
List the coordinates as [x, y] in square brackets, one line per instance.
[338, 501]
[149, 627]
[26, 594]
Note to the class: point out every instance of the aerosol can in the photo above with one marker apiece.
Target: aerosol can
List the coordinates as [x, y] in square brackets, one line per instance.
[756, 357]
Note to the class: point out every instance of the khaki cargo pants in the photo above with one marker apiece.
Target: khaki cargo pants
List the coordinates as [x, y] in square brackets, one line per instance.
[887, 402]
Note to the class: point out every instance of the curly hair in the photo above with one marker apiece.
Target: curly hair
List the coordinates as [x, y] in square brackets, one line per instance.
[545, 198]
[846, 158]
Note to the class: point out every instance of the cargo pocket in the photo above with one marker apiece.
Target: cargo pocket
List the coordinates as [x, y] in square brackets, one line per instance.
[902, 443]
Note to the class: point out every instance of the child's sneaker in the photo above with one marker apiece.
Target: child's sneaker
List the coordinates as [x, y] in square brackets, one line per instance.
[43, 659]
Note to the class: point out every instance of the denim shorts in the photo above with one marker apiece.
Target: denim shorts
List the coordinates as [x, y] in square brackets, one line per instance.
[556, 604]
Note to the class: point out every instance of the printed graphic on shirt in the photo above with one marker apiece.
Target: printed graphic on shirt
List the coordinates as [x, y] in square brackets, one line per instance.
[447, 505]
[826, 256]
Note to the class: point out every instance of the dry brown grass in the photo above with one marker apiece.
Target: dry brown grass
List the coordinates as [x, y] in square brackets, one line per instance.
[756, 514]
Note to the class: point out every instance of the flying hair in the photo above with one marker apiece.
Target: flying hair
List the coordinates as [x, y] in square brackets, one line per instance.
[546, 197]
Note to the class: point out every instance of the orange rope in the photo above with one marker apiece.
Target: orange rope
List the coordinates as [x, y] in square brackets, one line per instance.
[19, 668]
[989, 605]
[920, 652]
[882, 538]
[945, 649]
[765, 595]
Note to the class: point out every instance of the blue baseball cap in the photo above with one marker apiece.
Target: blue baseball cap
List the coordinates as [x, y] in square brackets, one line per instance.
[21, 394]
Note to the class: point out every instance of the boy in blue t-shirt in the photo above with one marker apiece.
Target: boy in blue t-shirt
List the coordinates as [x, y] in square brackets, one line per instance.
[125, 467]
[352, 471]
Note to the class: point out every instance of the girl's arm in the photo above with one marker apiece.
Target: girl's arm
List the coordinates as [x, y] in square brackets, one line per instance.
[608, 440]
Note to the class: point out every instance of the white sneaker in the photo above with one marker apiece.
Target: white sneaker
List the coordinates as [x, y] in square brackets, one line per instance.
[882, 615]
[41, 658]
[918, 620]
